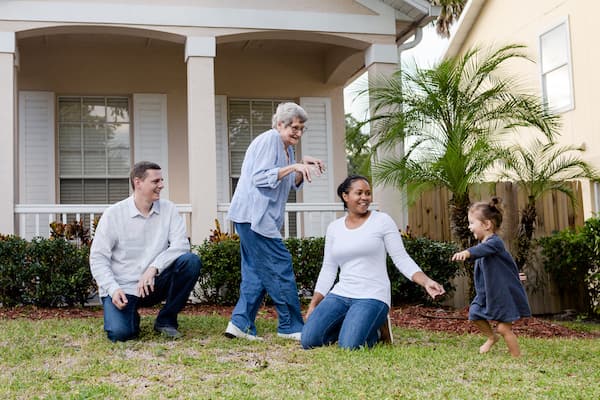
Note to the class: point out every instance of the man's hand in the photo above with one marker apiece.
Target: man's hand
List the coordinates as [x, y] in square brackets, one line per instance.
[119, 299]
[145, 285]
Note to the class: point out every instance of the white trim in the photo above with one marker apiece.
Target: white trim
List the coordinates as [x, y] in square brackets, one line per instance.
[196, 16]
[141, 152]
[200, 46]
[564, 21]
[7, 42]
[222, 139]
[381, 53]
[329, 124]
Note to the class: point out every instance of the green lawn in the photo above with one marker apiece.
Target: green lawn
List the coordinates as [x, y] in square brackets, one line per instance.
[72, 359]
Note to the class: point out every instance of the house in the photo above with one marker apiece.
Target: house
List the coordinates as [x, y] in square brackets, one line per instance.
[564, 71]
[87, 88]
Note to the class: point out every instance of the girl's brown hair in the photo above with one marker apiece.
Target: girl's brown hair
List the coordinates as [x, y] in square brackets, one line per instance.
[491, 211]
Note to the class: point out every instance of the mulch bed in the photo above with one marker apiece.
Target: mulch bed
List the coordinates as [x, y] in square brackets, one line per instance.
[409, 316]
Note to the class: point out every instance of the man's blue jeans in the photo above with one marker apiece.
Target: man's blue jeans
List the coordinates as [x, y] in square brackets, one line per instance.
[174, 285]
[352, 323]
[266, 268]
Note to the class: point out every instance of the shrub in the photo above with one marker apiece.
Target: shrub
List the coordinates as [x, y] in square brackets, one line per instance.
[59, 273]
[221, 276]
[12, 261]
[571, 258]
[434, 259]
[307, 258]
[44, 272]
[591, 232]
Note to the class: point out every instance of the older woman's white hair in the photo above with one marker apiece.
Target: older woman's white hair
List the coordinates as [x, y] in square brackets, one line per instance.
[286, 112]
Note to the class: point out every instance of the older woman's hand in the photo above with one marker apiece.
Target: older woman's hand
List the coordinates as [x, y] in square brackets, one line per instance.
[318, 164]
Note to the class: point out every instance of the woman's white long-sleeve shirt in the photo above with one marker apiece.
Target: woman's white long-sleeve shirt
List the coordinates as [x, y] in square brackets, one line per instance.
[360, 254]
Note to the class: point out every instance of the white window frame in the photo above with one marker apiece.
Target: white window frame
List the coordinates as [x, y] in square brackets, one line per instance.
[569, 63]
[60, 175]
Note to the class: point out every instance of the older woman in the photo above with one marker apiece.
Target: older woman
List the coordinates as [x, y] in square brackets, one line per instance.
[352, 312]
[269, 172]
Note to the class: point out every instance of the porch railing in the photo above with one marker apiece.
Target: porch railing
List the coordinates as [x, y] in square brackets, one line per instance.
[301, 219]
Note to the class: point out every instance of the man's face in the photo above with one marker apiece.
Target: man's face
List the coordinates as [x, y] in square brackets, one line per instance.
[150, 186]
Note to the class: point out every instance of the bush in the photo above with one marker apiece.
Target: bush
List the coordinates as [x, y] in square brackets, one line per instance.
[434, 259]
[571, 257]
[13, 252]
[307, 258]
[44, 272]
[221, 276]
[591, 231]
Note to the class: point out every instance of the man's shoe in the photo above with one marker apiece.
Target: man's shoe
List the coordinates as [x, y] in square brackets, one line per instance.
[293, 336]
[233, 331]
[168, 331]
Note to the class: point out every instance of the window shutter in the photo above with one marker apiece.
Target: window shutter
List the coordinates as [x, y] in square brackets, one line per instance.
[150, 136]
[37, 179]
[317, 143]
[222, 149]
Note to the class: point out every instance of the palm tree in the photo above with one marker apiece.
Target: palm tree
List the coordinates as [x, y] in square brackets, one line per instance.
[452, 120]
[538, 168]
[358, 155]
[449, 13]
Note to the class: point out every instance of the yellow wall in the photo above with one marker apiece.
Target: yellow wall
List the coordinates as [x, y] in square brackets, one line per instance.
[511, 21]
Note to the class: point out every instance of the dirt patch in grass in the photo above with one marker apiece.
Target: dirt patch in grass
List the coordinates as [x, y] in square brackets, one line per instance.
[409, 316]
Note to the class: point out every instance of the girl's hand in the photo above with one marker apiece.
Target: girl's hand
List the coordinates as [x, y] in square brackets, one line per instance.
[461, 256]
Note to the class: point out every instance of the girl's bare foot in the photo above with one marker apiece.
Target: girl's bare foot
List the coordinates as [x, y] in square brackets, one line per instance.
[488, 344]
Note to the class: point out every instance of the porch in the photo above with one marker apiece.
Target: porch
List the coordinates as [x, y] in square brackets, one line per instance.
[301, 219]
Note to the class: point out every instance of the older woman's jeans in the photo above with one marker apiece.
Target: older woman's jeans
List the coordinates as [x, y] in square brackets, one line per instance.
[266, 268]
[353, 323]
[174, 285]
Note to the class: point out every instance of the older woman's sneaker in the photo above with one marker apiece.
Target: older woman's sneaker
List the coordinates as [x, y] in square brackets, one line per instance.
[233, 331]
[293, 336]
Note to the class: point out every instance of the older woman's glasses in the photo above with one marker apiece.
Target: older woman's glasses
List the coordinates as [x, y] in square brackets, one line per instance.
[297, 128]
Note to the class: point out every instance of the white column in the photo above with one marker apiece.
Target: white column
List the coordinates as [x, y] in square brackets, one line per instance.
[7, 132]
[199, 55]
[382, 61]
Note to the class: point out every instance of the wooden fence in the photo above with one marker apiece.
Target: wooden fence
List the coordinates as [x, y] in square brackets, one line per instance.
[429, 217]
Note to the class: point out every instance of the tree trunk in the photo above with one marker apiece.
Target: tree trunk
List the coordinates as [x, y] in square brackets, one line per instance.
[459, 226]
[525, 232]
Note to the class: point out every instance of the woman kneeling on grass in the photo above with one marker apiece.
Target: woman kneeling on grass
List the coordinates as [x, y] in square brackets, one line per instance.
[499, 294]
[357, 306]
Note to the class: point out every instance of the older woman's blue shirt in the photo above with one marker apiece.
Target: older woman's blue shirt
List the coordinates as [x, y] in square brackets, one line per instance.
[259, 197]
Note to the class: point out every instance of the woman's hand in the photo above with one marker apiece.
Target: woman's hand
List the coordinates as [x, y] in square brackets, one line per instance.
[319, 166]
[434, 289]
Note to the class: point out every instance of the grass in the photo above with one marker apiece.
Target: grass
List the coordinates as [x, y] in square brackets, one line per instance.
[72, 359]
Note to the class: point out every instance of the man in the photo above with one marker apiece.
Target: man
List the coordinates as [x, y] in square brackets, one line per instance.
[141, 256]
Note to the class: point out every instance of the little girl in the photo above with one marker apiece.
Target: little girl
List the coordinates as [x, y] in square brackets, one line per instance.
[499, 294]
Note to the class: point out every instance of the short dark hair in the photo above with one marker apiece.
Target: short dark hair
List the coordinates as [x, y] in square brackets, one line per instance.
[140, 169]
[491, 211]
[345, 186]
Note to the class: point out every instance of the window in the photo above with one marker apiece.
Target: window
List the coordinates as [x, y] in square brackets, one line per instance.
[247, 120]
[94, 149]
[555, 62]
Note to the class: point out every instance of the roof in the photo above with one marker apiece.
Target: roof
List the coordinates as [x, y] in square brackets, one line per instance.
[411, 15]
